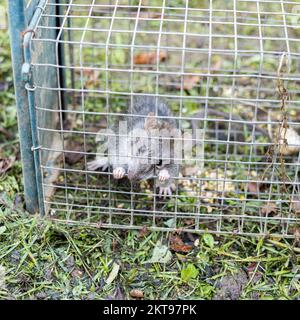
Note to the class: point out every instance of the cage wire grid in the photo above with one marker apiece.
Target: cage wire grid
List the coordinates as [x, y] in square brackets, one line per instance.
[233, 63]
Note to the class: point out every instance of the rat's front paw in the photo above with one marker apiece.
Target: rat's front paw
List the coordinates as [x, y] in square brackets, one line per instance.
[119, 173]
[167, 191]
[163, 175]
[96, 164]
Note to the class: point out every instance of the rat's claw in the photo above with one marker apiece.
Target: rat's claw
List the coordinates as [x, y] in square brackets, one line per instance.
[165, 191]
[119, 173]
[163, 175]
[96, 164]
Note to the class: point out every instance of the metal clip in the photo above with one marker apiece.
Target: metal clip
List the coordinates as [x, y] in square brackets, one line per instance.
[36, 148]
[29, 87]
[26, 72]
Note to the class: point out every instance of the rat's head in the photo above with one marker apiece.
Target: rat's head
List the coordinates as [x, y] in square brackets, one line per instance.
[144, 150]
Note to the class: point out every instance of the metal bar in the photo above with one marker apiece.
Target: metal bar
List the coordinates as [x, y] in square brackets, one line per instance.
[31, 103]
[17, 25]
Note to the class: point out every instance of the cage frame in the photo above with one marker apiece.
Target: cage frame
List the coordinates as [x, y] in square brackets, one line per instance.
[22, 22]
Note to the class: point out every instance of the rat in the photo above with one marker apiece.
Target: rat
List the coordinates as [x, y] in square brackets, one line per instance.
[147, 151]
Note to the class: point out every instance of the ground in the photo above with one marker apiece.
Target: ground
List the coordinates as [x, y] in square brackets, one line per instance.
[40, 259]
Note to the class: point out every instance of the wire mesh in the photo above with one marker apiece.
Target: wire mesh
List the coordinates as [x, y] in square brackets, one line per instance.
[231, 66]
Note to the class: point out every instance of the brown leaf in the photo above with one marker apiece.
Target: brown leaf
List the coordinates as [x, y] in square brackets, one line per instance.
[6, 163]
[177, 245]
[189, 82]
[149, 57]
[289, 141]
[136, 293]
[269, 208]
[143, 232]
[251, 267]
[91, 76]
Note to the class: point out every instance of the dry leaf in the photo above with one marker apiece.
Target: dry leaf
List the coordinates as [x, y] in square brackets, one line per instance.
[289, 141]
[136, 293]
[113, 274]
[143, 232]
[91, 76]
[269, 208]
[177, 245]
[6, 163]
[161, 254]
[149, 57]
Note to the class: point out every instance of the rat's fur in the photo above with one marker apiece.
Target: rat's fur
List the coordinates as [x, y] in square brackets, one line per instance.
[147, 151]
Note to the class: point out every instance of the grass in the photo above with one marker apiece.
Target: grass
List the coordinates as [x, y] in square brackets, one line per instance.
[44, 260]
[41, 259]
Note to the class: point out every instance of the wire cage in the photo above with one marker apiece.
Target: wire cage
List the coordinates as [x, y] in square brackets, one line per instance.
[231, 67]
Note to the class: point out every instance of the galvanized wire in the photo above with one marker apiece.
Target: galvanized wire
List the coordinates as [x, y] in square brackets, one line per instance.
[233, 50]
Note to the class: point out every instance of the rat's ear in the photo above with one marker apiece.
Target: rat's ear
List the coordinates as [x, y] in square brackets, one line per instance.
[151, 121]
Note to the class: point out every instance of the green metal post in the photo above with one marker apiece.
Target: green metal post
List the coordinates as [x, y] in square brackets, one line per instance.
[17, 24]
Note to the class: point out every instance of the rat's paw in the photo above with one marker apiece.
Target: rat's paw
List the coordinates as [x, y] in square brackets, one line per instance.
[163, 175]
[96, 164]
[119, 173]
[166, 191]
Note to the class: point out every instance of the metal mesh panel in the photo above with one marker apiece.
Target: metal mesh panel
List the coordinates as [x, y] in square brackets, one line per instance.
[231, 65]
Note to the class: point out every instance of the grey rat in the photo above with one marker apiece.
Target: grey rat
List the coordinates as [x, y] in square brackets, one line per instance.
[147, 151]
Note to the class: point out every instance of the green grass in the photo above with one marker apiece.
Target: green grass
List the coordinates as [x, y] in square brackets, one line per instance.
[44, 260]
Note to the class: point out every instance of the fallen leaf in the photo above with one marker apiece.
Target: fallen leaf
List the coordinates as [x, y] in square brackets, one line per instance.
[208, 240]
[91, 76]
[177, 245]
[136, 293]
[143, 232]
[289, 141]
[171, 223]
[149, 57]
[6, 163]
[161, 254]
[251, 267]
[269, 208]
[113, 274]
